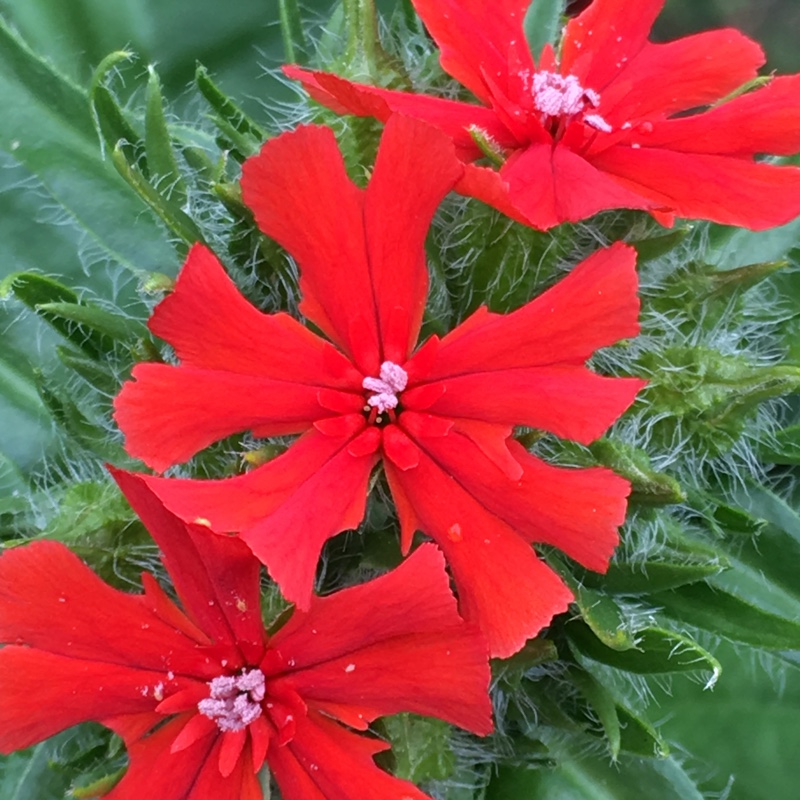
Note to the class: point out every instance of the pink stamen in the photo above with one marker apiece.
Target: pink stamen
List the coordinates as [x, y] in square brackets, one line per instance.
[234, 701]
[393, 379]
[562, 97]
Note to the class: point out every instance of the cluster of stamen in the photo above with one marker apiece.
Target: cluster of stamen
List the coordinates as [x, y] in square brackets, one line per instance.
[393, 379]
[563, 98]
[234, 701]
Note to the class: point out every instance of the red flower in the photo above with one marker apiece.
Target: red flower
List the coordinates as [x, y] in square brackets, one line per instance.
[440, 417]
[607, 126]
[202, 696]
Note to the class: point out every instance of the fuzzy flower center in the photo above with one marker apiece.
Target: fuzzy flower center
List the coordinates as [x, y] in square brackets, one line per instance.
[234, 701]
[393, 379]
[564, 98]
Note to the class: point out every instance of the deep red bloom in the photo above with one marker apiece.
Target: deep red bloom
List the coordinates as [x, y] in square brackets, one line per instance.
[607, 126]
[202, 696]
[441, 416]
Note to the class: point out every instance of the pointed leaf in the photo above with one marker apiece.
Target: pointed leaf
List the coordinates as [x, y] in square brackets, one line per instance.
[294, 40]
[543, 24]
[725, 615]
[670, 570]
[603, 705]
[657, 246]
[785, 449]
[170, 213]
[47, 125]
[602, 614]
[161, 159]
[421, 747]
[245, 134]
[94, 372]
[657, 651]
[37, 291]
[99, 320]
[585, 777]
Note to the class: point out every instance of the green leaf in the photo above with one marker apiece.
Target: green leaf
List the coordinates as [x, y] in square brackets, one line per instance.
[14, 487]
[746, 728]
[670, 570]
[737, 247]
[421, 747]
[583, 777]
[542, 25]
[170, 213]
[47, 126]
[78, 426]
[30, 774]
[725, 615]
[648, 486]
[161, 159]
[774, 554]
[36, 291]
[722, 517]
[99, 320]
[604, 706]
[604, 617]
[245, 135]
[113, 127]
[94, 372]
[785, 449]
[656, 246]
[90, 511]
[294, 40]
[657, 651]
[638, 736]
[25, 429]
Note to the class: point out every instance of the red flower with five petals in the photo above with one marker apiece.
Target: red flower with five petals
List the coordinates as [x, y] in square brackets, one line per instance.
[441, 417]
[606, 126]
[202, 696]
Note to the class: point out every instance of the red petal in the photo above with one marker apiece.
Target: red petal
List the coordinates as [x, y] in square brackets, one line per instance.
[325, 761]
[216, 577]
[592, 307]
[170, 413]
[415, 168]
[722, 189]
[684, 74]
[285, 510]
[764, 121]
[475, 37]
[259, 741]
[492, 441]
[576, 510]
[42, 693]
[231, 750]
[549, 185]
[502, 586]
[450, 116]
[192, 774]
[598, 43]
[212, 326]
[196, 728]
[565, 399]
[290, 540]
[489, 186]
[399, 449]
[49, 599]
[393, 644]
[302, 197]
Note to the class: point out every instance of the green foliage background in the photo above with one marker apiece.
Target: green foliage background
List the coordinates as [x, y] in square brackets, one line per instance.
[52, 175]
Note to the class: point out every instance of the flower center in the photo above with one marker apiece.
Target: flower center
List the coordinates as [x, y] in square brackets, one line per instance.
[234, 701]
[560, 98]
[393, 379]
